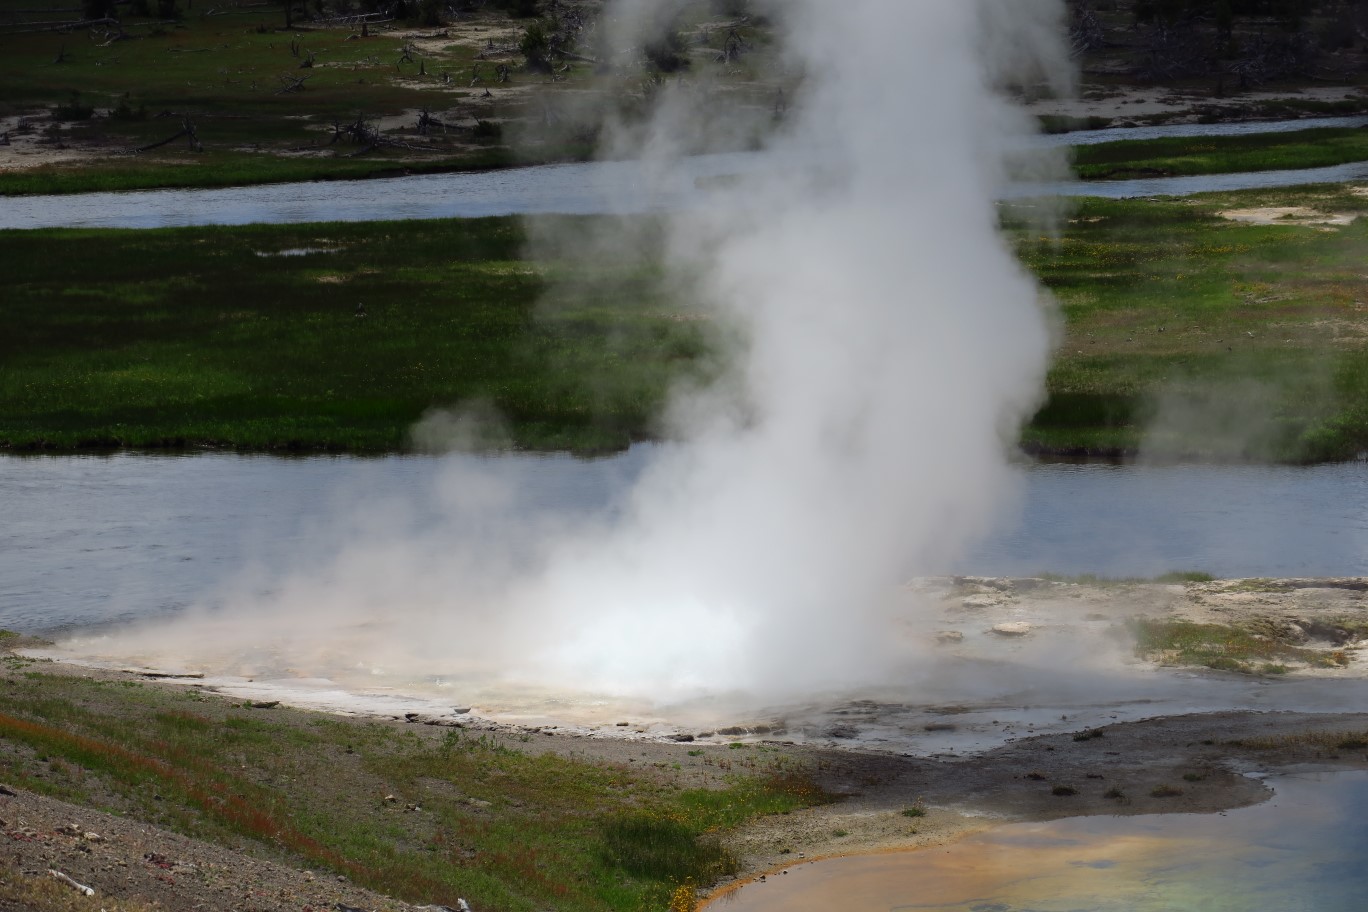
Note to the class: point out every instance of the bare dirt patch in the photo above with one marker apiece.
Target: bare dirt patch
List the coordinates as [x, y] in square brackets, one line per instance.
[1288, 215]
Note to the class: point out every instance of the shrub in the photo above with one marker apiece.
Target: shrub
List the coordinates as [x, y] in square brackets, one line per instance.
[518, 9]
[535, 47]
[664, 849]
[666, 53]
[73, 109]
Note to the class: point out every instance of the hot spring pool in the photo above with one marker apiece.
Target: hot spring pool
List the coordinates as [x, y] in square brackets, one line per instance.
[1302, 851]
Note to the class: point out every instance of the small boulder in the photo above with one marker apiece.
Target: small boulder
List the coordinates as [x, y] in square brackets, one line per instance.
[1012, 629]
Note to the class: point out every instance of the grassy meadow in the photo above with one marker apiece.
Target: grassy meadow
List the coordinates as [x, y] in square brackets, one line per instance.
[1190, 335]
[226, 336]
[1189, 155]
[419, 813]
[1184, 334]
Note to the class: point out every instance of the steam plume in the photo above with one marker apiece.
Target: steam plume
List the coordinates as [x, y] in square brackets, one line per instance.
[891, 345]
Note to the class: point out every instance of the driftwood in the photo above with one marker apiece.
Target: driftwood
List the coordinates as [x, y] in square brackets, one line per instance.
[109, 35]
[292, 84]
[78, 887]
[60, 26]
[426, 122]
[187, 129]
[570, 56]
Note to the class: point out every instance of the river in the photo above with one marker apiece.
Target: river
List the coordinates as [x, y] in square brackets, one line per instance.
[583, 188]
[96, 539]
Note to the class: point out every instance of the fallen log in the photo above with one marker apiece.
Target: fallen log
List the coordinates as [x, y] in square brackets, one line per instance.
[78, 887]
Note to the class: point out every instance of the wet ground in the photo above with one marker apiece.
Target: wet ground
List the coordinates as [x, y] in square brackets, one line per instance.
[1301, 850]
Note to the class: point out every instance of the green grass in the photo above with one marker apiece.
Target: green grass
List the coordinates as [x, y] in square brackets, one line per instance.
[1195, 337]
[225, 67]
[194, 337]
[216, 168]
[1309, 740]
[225, 71]
[1222, 647]
[1092, 579]
[471, 816]
[1186, 336]
[1185, 155]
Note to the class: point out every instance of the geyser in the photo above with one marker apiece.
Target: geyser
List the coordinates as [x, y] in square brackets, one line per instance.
[887, 347]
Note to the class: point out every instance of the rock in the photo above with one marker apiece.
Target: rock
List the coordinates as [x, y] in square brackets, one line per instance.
[681, 737]
[980, 601]
[1012, 629]
[949, 636]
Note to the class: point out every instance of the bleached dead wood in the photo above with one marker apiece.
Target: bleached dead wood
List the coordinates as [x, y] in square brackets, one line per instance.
[78, 887]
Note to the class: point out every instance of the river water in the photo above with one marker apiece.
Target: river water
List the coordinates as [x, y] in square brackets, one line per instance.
[1188, 130]
[585, 188]
[97, 539]
[1302, 851]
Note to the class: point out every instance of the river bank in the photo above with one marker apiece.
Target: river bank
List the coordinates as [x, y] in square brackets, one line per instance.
[165, 754]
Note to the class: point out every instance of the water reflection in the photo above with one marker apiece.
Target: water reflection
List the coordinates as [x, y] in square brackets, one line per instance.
[88, 540]
[1300, 852]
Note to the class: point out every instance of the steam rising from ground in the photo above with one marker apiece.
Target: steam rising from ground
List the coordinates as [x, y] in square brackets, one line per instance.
[890, 347]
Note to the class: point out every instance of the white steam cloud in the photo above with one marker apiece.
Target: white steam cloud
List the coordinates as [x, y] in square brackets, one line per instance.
[891, 345]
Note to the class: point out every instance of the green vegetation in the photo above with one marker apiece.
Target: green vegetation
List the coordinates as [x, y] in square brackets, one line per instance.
[1223, 648]
[1329, 741]
[1092, 579]
[1186, 334]
[1221, 154]
[34, 893]
[405, 811]
[249, 337]
[234, 73]
[1200, 337]
[228, 169]
[274, 95]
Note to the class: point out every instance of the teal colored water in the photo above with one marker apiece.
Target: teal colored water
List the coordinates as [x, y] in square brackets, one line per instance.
[1305, 850]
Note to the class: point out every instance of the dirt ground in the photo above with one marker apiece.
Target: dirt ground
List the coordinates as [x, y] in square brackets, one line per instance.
[892, 796]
